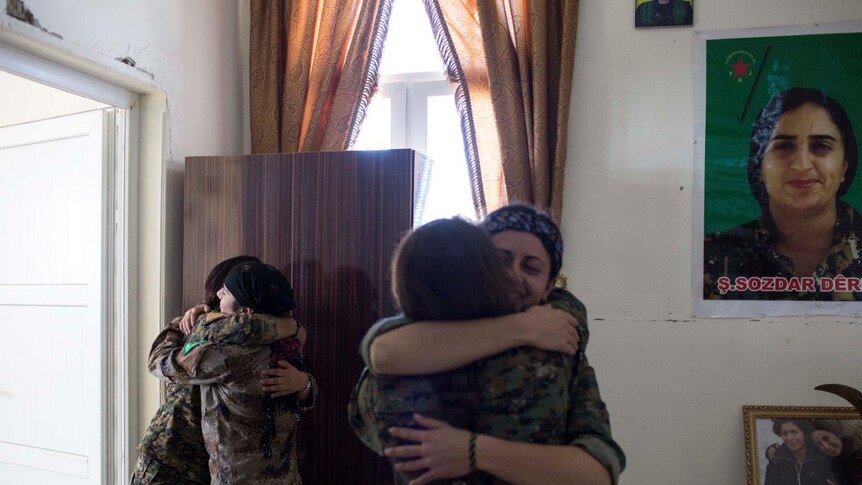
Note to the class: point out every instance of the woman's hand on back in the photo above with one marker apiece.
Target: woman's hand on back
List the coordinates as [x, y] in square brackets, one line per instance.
[439, 449]
[547, 328]
[191, 316]
[283, 381]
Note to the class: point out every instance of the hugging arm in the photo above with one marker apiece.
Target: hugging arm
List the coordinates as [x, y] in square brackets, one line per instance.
[259, 329]
[167, 358]
[588, 426]
[448, 345]
[528, 463]
[442, 452]
[254, 329]
[173, 360]
[590, 456]
[286, 379]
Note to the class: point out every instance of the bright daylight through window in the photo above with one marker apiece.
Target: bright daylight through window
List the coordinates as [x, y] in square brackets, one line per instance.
[414, 107]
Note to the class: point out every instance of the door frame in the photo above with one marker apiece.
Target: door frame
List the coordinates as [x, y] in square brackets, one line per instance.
[133, 260]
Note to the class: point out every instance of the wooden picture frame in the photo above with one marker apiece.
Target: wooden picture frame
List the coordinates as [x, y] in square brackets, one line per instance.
[842, 459]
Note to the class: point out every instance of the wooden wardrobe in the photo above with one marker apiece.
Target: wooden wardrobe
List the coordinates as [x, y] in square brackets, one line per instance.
[330, 221]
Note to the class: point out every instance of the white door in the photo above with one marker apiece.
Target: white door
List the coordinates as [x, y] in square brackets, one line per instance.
[52, 260]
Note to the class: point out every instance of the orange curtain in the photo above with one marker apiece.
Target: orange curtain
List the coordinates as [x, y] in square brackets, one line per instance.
[512, 61]
[313, 68]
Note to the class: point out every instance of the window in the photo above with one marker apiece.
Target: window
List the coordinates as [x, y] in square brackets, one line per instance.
[415, 108]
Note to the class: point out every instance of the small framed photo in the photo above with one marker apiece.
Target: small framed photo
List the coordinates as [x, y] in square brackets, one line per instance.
[664, 13]
[789, 445]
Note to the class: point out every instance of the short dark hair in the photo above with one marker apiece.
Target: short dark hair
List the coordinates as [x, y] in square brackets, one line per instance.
[215, 280]
[803, 424]
[766, 121]
[448, 269]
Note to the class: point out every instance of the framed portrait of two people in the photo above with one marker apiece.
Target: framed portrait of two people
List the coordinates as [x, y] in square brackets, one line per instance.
[789, 445]
[777, 225]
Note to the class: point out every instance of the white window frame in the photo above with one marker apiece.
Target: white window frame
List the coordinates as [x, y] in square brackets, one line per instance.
[408, 94]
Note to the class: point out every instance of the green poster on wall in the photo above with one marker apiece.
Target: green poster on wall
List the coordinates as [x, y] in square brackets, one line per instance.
[780, 198]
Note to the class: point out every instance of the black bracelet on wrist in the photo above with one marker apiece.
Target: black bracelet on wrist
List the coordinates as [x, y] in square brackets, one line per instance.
[472, 451]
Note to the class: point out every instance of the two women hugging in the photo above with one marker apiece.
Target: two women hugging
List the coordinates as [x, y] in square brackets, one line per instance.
[235, 384]
[484, 378]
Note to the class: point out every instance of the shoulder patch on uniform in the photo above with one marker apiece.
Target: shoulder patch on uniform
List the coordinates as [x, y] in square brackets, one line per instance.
[189, 361]
[191, 344]
[213, 316]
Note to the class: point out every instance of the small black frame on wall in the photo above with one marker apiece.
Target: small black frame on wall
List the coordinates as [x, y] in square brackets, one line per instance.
[664, 13]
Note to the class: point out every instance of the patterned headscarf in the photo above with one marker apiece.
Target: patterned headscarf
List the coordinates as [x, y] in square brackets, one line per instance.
[524, 218]
[260, 287]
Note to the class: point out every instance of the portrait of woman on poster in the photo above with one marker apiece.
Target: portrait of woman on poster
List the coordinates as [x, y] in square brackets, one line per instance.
[802, 160]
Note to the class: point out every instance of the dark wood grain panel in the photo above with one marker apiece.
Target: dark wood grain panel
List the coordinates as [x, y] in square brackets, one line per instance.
[213, 207]
[331, 221]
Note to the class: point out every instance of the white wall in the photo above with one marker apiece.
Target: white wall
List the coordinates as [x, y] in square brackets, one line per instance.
[191, 48]
[675, 385]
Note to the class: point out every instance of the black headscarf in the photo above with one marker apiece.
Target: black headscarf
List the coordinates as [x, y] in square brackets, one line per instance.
[519, 217]
[260, 287]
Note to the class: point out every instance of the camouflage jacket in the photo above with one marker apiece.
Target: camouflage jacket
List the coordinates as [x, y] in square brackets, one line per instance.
[174, 437]
[522, 394]
[249, 436]
[748, 251]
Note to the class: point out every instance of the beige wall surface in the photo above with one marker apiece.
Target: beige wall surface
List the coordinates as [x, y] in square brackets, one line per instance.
[675, 385]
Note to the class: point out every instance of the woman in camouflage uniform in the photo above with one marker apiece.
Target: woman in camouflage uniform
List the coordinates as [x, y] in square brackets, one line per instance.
[530, 246]
[249, 435]
[433, 268]
[172, 450]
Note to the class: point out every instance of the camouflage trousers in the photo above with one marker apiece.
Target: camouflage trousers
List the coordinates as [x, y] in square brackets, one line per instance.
[521, 394]
[150, 472]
